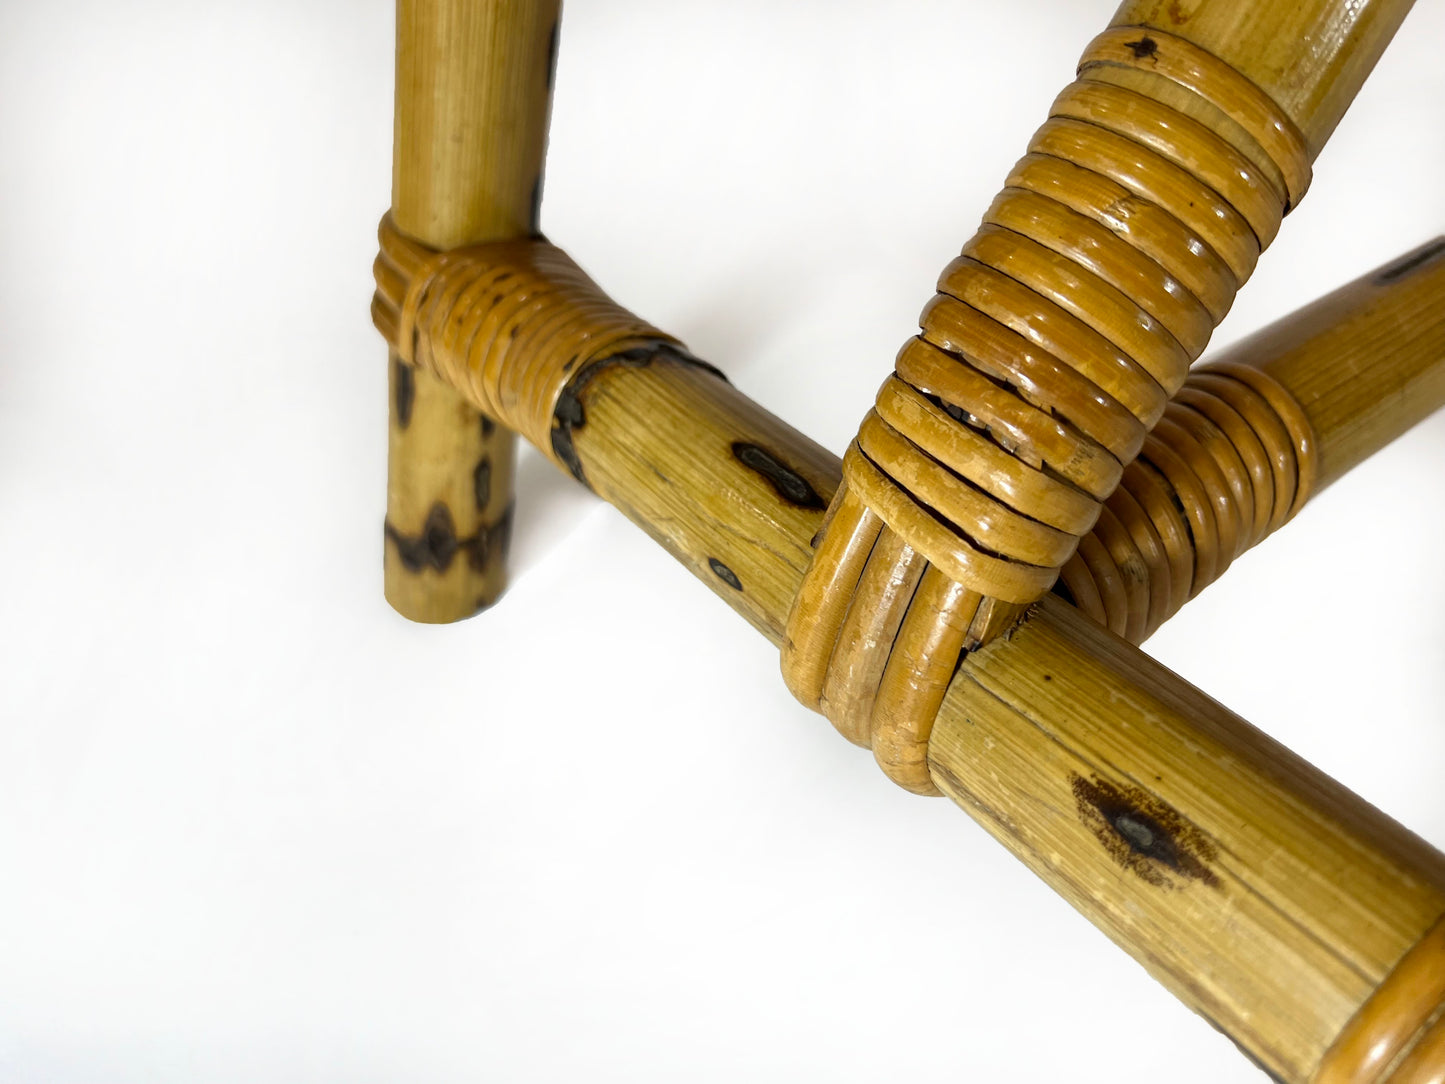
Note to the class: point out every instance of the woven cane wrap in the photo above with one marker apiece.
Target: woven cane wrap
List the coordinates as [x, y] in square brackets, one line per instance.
[1051, 350]
[506, 324]
[1231, 461]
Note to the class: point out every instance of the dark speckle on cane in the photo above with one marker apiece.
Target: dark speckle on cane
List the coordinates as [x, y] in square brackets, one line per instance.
[787, 482]
[404, 383]
[727, 575]
[490, 543]
[433, 547]
[437, 544]
[1143, 834]
[488, 427]
[482, 482]
[570, 413]
[1143, 48]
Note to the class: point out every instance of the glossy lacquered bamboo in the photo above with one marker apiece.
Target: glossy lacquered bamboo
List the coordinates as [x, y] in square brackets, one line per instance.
[473, 81]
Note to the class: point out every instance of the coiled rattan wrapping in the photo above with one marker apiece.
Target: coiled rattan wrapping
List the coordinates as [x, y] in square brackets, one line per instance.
[507, 324]
[1232, 460]
[1051, 350]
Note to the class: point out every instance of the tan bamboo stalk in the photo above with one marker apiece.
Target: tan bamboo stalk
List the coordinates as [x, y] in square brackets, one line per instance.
[1310, 57]
[473, 81]
[1263, 894]
[1330, 348]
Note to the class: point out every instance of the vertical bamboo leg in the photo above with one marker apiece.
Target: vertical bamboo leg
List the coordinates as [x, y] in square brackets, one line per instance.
[473, 91]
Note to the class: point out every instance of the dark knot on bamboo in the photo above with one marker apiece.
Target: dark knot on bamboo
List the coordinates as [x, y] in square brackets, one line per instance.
[507, 324]
[1051, 350]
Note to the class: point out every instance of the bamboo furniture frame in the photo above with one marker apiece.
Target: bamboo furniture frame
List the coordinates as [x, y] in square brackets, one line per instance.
[1046, 478]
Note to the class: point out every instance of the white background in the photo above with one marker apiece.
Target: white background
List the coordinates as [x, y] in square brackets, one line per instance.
[256, 827]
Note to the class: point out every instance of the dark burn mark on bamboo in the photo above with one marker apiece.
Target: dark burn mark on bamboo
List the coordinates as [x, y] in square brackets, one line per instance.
[403, 382]
[570, 413]
[567, 416]
[437, 544]
[1143, 48]
[789, 484]
[1143, 834]
[1412, 260]
[433, 547]
[482, 482]
[727, 575]
[488, 427]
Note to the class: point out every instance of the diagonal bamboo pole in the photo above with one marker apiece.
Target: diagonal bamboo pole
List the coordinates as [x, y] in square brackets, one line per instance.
[473, 89]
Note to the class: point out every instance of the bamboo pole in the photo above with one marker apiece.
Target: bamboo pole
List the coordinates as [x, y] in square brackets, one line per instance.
[473, 83]
[1333, 346]
[1310, 57]
[1263, 894]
